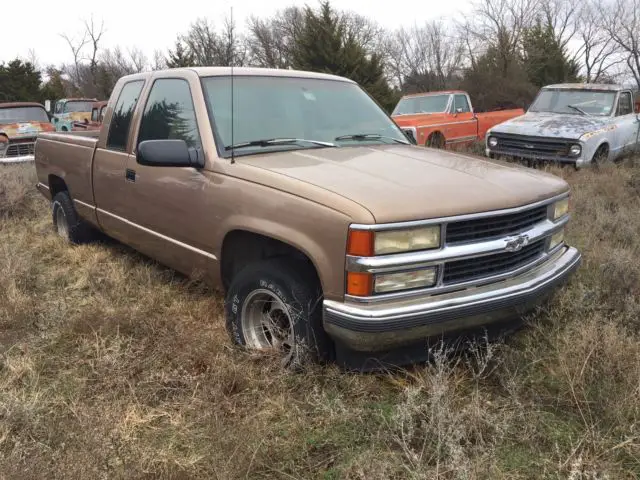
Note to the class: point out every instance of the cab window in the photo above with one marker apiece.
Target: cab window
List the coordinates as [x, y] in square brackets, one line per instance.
[122, 114]
[169, 113]
[461, 104]
[625, 106]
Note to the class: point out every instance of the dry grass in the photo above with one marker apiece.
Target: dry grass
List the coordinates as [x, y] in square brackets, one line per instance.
[114, 367]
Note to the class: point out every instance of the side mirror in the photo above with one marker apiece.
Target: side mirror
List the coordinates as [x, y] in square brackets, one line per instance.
[459, 110]
[47, 105]
[169, 153]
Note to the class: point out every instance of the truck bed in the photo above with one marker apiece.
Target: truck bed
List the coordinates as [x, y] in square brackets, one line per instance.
[486, 120]
[68, 156]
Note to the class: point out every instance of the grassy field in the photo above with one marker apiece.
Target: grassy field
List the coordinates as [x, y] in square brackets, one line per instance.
[114, 367]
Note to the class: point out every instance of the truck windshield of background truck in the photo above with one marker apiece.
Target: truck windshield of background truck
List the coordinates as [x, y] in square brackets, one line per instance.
[422, 104]
[23, 114]
[575, 102]
[77, 106]
[267, 107]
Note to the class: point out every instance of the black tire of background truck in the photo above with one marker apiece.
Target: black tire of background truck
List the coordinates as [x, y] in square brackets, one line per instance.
[601, 156]
[77, 231]
[436, 140]
[297, 288]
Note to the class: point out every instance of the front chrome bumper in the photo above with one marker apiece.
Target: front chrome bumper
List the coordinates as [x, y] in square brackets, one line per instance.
[22, 159]
[382, 326]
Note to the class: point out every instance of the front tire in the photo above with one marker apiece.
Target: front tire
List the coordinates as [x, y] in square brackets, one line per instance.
[436, 140]
[275, 306]
[66, 221]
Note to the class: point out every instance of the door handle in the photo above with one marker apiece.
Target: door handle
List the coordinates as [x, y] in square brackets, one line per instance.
[130, 175]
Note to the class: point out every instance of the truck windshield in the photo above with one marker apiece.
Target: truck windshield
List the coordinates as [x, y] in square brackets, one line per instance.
[23, 114]
[421, 104]
[269, 107]
[575, 102]
[77, 106]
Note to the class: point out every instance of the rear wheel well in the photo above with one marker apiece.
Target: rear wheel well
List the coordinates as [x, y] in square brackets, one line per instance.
[56, 185]
[241, 248]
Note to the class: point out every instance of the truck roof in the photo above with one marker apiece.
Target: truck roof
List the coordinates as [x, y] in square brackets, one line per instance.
[20, 104]
[585, 86]
[244, 71]
[437, 92]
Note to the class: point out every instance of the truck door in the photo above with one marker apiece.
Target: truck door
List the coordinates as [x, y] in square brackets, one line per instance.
[626, 125]
[464, 126]
[171, 206]
[110, 163]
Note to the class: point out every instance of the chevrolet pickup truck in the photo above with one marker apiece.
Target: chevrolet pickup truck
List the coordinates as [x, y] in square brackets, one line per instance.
[332, 237]
[576, 124]
[20, 124]
[68, 111]
[445, 119]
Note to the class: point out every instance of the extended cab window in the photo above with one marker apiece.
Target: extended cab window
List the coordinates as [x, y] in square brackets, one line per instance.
[122, 113]
[461, 104]
[59, 107]
[169, 113]
[624, 104]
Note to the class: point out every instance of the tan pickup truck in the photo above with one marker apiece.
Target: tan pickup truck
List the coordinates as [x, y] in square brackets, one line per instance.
[332, 236]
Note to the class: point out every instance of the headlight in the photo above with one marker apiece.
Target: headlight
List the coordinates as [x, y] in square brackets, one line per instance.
[392, 282]
[560, 208]
[575, 150]
[397, 241]
[557, 239]
[493, 141]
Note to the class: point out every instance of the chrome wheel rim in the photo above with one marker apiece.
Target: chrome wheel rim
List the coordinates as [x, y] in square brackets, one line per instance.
[61, 223]
[267, 325]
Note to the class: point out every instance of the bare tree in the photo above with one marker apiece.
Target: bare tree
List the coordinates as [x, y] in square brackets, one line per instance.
[499, 24]
[427, 57]
[76, 47]
[598, 51]
[159, 61]
[622, 23]
[210, 47]
[563, 17]
[94, 35]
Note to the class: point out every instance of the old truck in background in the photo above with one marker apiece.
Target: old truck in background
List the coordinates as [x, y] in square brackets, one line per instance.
[68, 111]
[97, 115]
[442, 119]
[20, 124]
[331, 235]
[577, 124]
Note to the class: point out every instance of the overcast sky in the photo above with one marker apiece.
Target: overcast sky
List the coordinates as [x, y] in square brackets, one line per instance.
[150, 27]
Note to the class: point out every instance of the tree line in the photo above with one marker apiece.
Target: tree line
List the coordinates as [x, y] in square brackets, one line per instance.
[500, 51]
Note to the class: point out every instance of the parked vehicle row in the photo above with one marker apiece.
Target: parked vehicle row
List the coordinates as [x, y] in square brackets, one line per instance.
[331, 235]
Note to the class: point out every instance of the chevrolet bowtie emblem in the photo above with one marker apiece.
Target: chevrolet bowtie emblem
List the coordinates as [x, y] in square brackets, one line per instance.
[514, 244]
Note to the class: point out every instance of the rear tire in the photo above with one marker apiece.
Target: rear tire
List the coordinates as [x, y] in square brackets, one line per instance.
[275, 306]
[436, 140]
[66, 221]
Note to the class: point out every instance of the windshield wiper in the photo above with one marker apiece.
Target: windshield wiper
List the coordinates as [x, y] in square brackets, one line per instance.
[369, 136]
[578, 109]
[268, 142]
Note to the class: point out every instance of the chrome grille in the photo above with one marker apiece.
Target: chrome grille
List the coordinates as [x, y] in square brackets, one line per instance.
[20, 149]
[494, 226]
[532, 146]
[461, 271]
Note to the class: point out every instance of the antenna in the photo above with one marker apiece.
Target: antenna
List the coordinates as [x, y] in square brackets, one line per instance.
[232, 62]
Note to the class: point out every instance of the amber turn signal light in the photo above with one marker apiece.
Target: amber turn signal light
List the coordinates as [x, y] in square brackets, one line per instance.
[360, 243]
[359, 284]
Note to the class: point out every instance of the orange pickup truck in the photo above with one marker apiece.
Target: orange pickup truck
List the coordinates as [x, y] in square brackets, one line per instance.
[443, 119]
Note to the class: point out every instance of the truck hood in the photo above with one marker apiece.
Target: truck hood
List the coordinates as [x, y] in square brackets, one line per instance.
[402, 183]
[552, 125]
[20, 130]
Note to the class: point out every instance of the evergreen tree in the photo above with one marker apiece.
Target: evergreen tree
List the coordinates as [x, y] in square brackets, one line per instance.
[180, 57]
[545, 59]
[19, 82]
[325, 45]
[54, 88]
